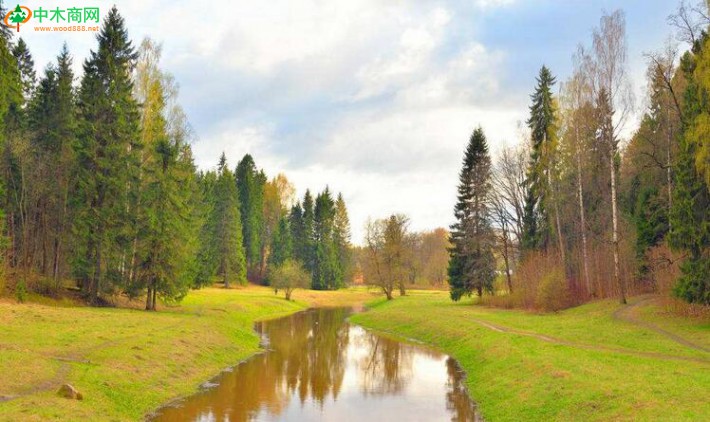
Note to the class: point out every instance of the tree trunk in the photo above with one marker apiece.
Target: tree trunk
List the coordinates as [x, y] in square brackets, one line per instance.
[669, 174]
[506, 259]
[553, 194]
[582, 219]
[96, 281]
[226, 275]
[149, 299]
[615, 228]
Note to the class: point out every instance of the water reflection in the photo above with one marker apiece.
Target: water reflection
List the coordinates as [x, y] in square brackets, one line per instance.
[320, 368]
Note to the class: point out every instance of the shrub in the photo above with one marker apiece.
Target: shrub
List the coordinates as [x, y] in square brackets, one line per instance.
[21, 291]
[553, 292]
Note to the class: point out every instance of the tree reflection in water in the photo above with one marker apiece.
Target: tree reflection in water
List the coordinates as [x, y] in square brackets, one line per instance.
[318, 367]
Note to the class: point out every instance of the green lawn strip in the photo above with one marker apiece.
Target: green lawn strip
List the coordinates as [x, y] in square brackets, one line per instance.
[515, 377]
[691, 329]
[137, 361]
[590, 324]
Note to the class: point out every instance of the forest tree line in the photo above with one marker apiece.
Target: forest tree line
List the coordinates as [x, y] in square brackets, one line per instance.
[99, 186]
[575, 211]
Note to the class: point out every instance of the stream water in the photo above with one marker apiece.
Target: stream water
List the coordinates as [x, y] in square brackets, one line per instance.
[318, 367]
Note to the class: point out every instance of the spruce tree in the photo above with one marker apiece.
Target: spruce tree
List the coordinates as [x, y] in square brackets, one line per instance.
[207, 257]
[326, 271]
[227, 229]
[341, 235]
[297, 233]
[536, 230]
[165, 243]
[26, 65]
[307, 243]
[250, 184]
[690, 213]
[107, 160]
[281, 244]
[471, 261]
[52, 120]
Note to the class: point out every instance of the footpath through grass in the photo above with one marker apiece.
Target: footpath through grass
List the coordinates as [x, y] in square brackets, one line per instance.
[128, 362]
[586, 363]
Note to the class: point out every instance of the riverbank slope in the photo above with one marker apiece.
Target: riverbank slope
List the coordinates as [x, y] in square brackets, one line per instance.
[128, 362]
[600, 361]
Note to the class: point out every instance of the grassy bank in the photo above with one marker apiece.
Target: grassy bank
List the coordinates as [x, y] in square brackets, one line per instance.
[128, 362]
[599, 361]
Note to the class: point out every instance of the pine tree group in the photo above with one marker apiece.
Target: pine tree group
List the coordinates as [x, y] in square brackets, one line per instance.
[99, 185]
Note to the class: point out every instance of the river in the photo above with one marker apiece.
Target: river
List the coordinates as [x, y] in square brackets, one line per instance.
[318, 367]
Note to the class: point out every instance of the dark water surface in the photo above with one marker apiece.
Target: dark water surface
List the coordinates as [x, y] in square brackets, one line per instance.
[320, 368]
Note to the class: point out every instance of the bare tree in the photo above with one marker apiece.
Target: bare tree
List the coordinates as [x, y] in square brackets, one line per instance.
[386, 264]
[611, 79]
[507, 203]
[577, 96]
[661, 68]
[690, 20]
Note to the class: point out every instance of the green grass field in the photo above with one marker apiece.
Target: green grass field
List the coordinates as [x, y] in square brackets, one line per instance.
[128, 362]
[599, 361]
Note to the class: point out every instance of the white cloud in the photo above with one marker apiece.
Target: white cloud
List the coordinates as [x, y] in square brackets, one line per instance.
[487, 4]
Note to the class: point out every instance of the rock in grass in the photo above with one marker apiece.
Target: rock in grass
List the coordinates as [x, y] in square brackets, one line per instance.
[69, 392]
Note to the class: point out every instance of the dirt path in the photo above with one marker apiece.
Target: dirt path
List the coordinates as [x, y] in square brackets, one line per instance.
[553, 340]
[629, 314]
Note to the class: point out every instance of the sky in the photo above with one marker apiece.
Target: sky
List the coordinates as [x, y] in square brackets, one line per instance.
[374, 98]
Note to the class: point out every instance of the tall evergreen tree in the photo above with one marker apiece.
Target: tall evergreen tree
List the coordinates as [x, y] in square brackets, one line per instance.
[690, 212]
[207, 257]
[227, 228]
[341, 234]
[326, 271]
[536, 232]
[471, 262]
[166, 240]
[26, 65]
[107, 159]
[53, 125]
[307, 242]
[281, 244]
[250, 185]
[297, 233]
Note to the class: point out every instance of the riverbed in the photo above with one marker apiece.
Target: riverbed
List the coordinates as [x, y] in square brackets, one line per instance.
[319, 367]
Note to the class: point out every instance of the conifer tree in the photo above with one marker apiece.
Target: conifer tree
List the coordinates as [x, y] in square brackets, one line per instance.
[281, 244]
[26, 65]
[227, 228]
[165, 244]
[53, 124]
[297, 233]
[107, 159]
[326, 271]
[471, 261]
[341, 233]
[307, 241]
[690, 212]
[539, 179]
[207, 257]
[250, 184]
